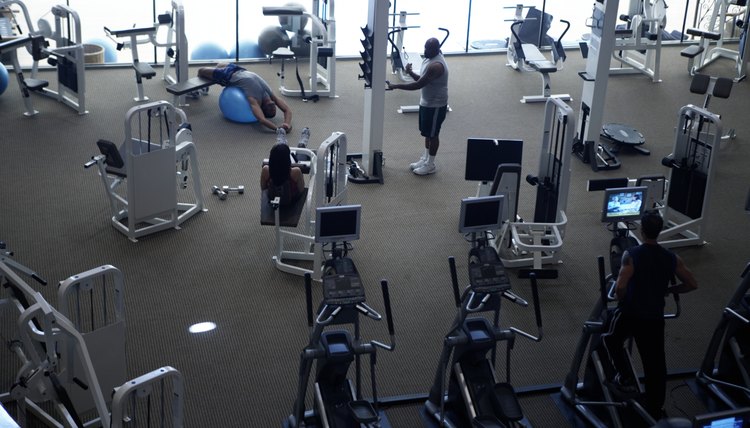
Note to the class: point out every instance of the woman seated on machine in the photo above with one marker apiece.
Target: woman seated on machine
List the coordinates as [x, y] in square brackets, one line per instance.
[279, 178]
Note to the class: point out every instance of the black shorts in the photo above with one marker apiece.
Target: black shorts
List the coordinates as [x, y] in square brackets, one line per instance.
[430, 120]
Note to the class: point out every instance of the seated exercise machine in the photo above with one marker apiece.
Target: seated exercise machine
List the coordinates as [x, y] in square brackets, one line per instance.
[704, 53]
[474, 395]
[523, 244]
[155, 163]
[709, 86]
[725, 370]
[638, 44]
[338, 401]
[593, 396]
[176, 51]
[294, 225]
[68, 55]
[74, 357]
[322, 41]
[528, 36]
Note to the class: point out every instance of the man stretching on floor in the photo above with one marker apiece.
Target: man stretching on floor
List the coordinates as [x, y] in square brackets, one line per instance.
[433, 102]
[263, 101]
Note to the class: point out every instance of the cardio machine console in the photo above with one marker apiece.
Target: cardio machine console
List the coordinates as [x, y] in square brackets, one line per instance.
[488, 277]
[343, 289]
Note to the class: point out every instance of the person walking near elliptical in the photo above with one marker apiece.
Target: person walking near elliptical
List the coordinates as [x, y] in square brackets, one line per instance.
[433, 103]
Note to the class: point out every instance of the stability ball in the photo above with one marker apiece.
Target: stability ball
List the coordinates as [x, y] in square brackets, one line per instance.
[234, 105]
[248, 49]
[209, 51]
[110, 54]
[3, 78]
[271, 39]
[293, 23]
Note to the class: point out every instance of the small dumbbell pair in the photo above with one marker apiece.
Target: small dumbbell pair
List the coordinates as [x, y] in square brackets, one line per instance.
[223, 191]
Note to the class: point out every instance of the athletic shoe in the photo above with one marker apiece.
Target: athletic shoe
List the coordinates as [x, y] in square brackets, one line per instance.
[425, 169]
[625, 388]
[417, 164]
[304, 137]
[281, 136]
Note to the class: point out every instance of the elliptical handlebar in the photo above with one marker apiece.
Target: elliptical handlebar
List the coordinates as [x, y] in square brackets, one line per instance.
[388, 318]
[537, 313]
[447, 33]
[454, 280]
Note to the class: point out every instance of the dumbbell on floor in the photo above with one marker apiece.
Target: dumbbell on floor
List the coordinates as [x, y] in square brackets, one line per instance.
[216, 190]
[239, 189]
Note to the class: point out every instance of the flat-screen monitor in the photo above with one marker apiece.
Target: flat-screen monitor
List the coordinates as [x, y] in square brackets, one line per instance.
[337, 223]
[623, 204]
[484, 155]
[737, 418]
[481, 214]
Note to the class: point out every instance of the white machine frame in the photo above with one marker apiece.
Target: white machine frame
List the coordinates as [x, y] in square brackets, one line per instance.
[154, 172]
[328, 164]
[533, 244]
[323, 34]
[175, 42]
[75, 364]
[630, 43]
[703, 54]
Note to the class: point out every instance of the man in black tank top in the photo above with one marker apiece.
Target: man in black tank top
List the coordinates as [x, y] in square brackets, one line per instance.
[642, 283]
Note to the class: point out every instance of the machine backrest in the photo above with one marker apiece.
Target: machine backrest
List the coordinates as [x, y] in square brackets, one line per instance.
[155, 399]
[529, 29]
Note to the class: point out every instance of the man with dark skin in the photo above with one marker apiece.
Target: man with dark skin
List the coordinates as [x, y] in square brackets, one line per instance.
[642, 283]
[263, 101]
[432, 80]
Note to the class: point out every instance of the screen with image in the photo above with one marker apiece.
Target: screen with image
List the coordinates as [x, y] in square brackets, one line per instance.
[623, 204]
[337, 223]
[481, 214]
[737, 418]
[484, 155]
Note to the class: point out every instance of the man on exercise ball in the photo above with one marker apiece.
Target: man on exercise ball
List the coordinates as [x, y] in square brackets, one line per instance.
[641, 285]
[263, 101]
[433, 103]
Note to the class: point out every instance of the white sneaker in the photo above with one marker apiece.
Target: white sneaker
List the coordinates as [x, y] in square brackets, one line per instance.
[417, 164]
[304, 137]
[425, 169]
[281, 136]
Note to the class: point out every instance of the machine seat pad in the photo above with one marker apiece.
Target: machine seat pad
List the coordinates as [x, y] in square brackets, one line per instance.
[191, 85]
[144, 70]
[536, 60]
[507, 403]
[35, 84]
[288, 216]
[702, 33]
[691, 51]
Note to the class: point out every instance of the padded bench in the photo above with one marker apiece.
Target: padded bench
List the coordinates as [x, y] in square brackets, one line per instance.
[191, 85]
[535, 59]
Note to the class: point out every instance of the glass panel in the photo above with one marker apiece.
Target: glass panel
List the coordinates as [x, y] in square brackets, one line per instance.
[451, 15]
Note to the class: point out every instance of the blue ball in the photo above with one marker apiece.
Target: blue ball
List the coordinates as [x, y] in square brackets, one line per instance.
[3, 78]
[209, 51]
[248, 49]
[234, 105]
[110, 54]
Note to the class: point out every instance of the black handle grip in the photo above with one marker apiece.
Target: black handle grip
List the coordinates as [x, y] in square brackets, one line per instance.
[454, 280]
[585, 76]
[387, 303]
[535, 296]
[602, 280]
[308, 298]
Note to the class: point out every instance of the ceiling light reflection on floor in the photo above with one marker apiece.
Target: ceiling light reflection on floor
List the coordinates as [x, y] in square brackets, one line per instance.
[201, 327]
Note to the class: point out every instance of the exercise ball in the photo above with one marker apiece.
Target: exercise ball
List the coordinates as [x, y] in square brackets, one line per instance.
[271, 39]
[110, 54]
[301, 45]
[234, 105]
[248, 49]
[293, 22]
[3, 78]
[209, 51]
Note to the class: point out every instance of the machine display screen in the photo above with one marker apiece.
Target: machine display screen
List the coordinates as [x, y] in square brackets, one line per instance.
[623, 204]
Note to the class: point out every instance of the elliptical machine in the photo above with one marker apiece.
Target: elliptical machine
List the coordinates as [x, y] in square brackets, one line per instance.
[724, 370]
[474, 396]
[337, 401]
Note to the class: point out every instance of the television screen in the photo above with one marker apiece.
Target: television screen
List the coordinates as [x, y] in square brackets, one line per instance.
[623, 204]
[484, 155]
[481, 214]
[737, 418]
[337, 223]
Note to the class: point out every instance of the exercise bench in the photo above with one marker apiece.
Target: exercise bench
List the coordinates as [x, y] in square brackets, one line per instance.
[194, 85]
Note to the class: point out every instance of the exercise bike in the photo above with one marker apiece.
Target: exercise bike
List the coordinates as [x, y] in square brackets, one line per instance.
[338, 401]
[474, 396]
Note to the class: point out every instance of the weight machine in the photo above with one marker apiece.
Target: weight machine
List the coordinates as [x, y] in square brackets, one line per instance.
[322, 41]
[531, 244]
[701, 55]
[74, 357]
[327, 186]
[154, 171]
[528, 35]
[175, 43]
[67, 55]
[638, 45]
